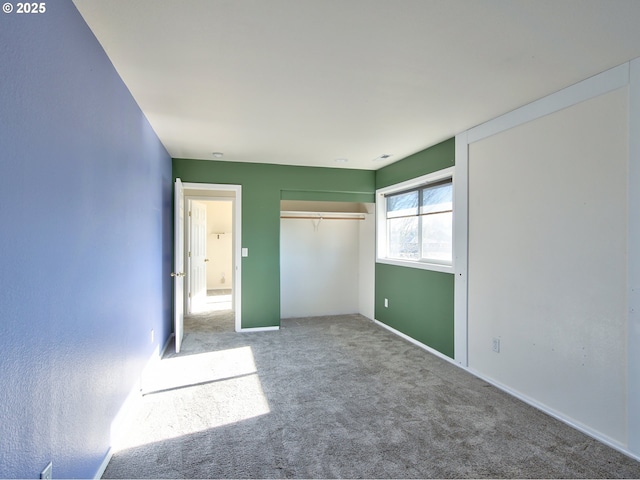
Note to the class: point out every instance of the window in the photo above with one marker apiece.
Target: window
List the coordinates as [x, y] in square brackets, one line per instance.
[415, 222]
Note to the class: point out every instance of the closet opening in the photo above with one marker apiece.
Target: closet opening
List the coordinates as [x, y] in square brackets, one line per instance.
[327, 258]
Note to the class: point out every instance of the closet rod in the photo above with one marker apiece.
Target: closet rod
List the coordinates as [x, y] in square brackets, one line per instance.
[322, 217]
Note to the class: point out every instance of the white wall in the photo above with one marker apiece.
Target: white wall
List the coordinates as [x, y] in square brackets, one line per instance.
[219, 249]
[547, 261]
[319, 267]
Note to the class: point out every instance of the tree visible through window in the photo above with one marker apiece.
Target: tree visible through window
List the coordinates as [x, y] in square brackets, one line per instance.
[420, 223]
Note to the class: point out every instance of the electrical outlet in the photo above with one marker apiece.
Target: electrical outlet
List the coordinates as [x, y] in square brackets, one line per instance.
[47, 473]
[496, 345]
[386, 303]
[153, 336]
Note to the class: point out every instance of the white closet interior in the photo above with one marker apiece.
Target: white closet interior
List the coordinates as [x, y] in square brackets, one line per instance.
[326, 258]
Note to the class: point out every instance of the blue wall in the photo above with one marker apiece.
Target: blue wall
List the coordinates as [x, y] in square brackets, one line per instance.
[85, 244]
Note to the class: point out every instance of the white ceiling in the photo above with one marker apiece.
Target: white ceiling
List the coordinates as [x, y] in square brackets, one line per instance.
[305, 82]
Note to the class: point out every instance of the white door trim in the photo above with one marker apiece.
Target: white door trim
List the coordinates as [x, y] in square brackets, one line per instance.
[633, 285]
[461, 249]
[237, 235]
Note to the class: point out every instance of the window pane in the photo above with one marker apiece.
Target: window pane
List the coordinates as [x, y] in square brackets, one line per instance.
[437, 199]
[403, 238]
[437, 244]
[402, 204]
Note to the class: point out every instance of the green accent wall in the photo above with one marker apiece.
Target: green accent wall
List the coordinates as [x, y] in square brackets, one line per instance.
[420, 304]
[430, 160]
[263, 186]
[328, 196]
[420, 301]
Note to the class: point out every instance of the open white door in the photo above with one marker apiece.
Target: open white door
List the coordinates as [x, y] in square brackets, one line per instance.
[197, 256]
[178, 262]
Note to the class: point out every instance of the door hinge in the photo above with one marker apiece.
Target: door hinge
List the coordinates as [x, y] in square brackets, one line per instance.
[189, 212]
[189, 254]
[189, 294]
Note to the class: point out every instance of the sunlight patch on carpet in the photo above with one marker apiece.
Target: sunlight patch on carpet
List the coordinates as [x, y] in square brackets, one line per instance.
[185, 370]
[188, 394]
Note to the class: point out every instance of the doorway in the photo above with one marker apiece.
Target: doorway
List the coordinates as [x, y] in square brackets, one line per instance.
[209, 254]
[212, 239]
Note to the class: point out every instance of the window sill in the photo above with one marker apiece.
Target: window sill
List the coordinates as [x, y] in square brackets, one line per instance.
[434, 267]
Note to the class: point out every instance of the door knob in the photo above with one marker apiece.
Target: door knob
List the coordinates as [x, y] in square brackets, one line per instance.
[179, 274]
[206, 259]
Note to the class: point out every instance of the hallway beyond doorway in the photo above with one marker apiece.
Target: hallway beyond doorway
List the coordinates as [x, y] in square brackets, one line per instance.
[216, 300]
[212, 320]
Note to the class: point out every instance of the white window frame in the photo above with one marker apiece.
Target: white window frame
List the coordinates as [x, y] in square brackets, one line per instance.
[381, 221]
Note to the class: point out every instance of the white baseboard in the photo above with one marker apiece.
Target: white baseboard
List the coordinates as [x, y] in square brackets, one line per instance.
[122, 420]
[120, 425]
[558, 416]
[166, 345]
[416, 342]
[259, 329]
[103, 465]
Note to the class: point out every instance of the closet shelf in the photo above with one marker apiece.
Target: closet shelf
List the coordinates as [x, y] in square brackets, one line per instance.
[323, 215]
